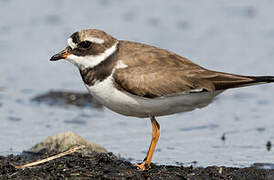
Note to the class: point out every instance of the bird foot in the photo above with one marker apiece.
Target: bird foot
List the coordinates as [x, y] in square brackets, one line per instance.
[143, 166]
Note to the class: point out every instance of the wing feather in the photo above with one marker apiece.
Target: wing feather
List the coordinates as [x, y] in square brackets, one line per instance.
[152, 72]
[155, 81]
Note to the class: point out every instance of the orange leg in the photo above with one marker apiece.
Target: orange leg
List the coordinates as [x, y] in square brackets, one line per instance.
[145, 165]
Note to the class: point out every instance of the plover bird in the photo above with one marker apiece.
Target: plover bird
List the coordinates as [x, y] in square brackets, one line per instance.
[140, 80]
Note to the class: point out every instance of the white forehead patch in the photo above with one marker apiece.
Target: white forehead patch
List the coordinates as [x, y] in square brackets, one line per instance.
[71, 43]
[94, 40]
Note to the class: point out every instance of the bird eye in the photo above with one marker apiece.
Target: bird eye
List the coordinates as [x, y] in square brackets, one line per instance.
[85, 44]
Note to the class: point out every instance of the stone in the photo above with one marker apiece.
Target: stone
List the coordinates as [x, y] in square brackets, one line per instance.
[64, 141]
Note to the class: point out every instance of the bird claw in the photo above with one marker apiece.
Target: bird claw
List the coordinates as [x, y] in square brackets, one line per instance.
[143, 166]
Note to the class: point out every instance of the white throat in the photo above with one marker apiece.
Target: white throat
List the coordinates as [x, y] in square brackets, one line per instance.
[91, 61]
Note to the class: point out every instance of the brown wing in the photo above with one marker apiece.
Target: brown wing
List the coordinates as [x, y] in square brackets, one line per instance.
[155, 81]
[152, 73]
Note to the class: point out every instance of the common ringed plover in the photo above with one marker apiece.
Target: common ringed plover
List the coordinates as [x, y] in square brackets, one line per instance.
[140, 80]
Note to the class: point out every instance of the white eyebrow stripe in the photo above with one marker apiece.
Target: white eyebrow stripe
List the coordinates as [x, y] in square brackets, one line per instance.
[71, 43]
[95, 40]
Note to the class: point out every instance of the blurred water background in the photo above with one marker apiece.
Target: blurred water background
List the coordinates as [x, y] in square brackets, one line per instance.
[232, 36]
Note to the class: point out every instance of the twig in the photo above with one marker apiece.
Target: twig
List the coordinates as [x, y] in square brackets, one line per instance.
[72, 150]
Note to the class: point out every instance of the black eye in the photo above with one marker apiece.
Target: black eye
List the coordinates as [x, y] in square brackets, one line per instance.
[85, 44]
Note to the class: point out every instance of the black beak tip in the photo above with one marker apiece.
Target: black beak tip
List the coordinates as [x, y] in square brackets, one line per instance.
[61, 55]
[56, 57]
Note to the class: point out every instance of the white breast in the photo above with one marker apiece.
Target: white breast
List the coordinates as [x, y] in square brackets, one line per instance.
[131, 105]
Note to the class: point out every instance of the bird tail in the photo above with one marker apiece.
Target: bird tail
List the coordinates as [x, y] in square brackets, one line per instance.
[263, 79]
[260, 80]
[223, 81]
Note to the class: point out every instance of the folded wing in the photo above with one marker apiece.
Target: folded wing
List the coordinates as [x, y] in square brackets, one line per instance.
[154, 80]
[152, 72]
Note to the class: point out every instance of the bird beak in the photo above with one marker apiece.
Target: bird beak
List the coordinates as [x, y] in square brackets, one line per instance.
[61, 55]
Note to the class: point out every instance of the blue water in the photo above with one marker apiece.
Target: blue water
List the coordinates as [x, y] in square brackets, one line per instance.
[231, 36]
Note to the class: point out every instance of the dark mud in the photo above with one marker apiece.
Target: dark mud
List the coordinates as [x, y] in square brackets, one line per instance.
[61, 98]
[108, 166]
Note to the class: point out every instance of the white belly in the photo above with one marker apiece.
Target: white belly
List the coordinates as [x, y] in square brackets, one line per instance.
[131, 105]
